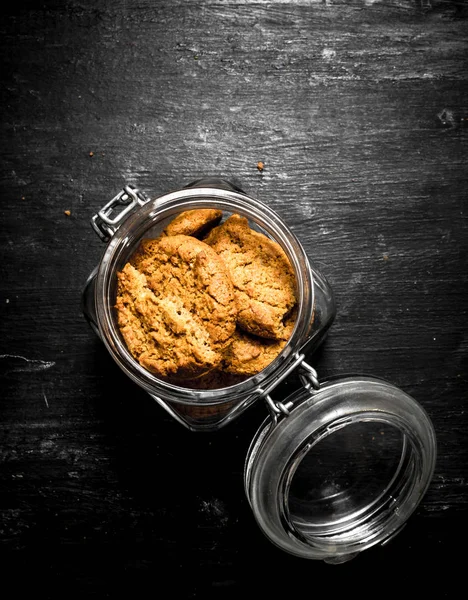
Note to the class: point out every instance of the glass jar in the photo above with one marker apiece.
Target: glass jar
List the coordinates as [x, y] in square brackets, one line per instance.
[337, 466]
[202, 409]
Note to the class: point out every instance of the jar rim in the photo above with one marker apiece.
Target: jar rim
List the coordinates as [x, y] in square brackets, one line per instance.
[145, 218]
[277, 451]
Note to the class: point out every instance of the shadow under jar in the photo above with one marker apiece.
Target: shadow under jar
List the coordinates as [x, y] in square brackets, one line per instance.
[338, 466]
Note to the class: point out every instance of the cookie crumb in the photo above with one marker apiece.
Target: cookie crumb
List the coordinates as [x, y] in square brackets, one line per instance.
[260, 165]
[67, 212]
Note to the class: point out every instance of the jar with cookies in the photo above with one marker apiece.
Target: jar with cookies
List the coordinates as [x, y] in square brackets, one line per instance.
[206, 299]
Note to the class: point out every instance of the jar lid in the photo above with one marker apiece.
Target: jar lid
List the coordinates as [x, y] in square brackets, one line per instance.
[342, 471]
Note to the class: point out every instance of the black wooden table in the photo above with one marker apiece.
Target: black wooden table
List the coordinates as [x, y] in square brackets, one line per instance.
[359, 112]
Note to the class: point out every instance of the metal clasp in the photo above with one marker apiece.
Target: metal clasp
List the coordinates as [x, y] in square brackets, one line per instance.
[308, 377]
[105, 225]
[277, 408]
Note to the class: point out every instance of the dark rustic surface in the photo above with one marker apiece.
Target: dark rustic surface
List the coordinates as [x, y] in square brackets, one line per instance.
[359, 111]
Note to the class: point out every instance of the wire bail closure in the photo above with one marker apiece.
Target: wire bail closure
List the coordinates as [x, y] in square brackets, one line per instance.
[308, 376]
[309, 379]
[104, 225]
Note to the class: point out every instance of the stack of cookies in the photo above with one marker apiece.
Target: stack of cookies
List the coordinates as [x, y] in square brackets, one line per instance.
[206, 305]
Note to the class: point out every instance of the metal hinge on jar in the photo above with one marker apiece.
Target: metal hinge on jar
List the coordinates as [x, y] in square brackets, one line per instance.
[105, 225]
[309, 379]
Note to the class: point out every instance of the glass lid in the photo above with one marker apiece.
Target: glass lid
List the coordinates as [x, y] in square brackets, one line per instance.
[342, 471]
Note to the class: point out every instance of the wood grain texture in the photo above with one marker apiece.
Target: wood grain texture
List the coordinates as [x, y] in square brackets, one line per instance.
[359, 111]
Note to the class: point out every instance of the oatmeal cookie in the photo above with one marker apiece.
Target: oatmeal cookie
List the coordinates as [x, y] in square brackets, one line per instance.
[262, 275]
[197, 222]
[249, 354]
[176, 307]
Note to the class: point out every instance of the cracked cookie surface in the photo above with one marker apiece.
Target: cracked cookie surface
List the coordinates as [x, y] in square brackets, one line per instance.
[175, 306]
[262, 275]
